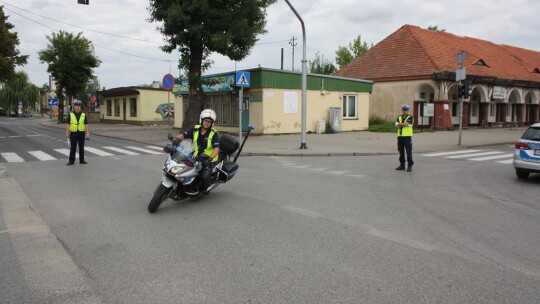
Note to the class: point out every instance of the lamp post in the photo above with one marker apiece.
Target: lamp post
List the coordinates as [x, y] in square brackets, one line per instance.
[303, 144]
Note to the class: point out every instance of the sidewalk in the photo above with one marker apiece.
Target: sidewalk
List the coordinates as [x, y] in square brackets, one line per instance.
[338, 144]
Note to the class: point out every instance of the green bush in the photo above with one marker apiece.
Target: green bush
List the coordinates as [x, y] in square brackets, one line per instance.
[378, 124]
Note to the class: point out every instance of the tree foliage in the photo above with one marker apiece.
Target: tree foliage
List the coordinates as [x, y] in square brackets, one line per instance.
[344, 55]
[9, 55]
[321, 65]
[435, 28]
[198, 28]
[16, 89]
[71, 62]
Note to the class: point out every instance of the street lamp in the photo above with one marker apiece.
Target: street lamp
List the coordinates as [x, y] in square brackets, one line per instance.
[304, 79]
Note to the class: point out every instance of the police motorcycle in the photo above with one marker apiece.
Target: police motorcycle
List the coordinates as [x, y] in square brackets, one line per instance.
[180, 177]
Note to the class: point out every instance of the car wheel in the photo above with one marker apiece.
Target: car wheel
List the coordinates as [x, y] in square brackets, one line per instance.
[522, 174]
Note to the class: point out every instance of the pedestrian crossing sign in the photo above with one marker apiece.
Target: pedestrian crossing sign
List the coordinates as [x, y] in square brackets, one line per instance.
[242, 79]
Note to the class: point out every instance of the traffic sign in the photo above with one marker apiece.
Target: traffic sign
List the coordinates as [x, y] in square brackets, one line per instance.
[53, 101]
[168, 82]
[242, 79]
[52, 94]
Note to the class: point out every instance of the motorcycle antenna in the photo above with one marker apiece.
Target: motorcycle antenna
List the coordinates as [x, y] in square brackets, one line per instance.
[250, 127]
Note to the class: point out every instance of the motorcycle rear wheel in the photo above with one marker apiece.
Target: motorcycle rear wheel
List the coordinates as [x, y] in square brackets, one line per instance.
[160, 195]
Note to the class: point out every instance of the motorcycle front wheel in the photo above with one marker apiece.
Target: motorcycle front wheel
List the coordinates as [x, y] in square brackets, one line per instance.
[160, 195]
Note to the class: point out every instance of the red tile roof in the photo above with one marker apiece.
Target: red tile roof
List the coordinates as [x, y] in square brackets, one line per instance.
[415, 53]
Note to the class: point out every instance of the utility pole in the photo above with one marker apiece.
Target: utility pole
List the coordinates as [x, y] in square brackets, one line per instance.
[293, 44]
[460, 75]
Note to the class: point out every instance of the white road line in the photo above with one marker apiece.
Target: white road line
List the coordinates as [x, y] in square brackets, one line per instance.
[12, 157]
[121, 151]
[491, 157]
[33, 135]
[450, 153]
[155, 148]
[338, 172]
[97, 151]
[15, 136]
[66, 152]
[508, 161]
[41, 155]
[474, 154]
[144, 150]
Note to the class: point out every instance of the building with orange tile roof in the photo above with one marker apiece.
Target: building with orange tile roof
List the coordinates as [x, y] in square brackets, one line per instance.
[418, 67]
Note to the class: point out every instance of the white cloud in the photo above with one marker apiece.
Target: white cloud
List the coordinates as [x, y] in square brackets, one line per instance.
[329, 23]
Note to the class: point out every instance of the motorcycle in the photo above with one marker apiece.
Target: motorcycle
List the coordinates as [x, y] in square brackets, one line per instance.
[180, 177]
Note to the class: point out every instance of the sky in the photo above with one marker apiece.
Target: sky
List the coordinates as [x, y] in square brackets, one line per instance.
[129, 46]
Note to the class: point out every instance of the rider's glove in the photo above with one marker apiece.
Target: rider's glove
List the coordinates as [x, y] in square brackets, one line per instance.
[176, 141]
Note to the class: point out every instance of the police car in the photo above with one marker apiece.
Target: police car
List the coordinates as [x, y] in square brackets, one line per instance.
[527, 152]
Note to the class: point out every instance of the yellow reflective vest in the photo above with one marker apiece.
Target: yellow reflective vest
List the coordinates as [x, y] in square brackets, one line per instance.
[405, 131]
[75, 125]
[209, 148]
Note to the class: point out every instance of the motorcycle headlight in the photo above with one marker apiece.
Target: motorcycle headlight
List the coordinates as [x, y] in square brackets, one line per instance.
[176, 170]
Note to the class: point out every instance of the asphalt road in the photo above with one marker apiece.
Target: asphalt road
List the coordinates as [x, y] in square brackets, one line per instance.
[284, 230]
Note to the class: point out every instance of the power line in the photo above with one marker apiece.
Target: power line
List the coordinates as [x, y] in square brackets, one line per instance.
[86, 29]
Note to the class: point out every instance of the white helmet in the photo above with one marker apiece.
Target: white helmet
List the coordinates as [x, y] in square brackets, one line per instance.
[208, 113]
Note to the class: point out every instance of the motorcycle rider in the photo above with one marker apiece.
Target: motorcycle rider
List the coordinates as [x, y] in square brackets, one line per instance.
[206, 145]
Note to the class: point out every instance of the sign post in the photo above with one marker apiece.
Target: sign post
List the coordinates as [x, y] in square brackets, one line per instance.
[242, 80]
[460, 75]
[168, 84]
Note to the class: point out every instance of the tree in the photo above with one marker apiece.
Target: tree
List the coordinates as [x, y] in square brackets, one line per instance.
[71, 62]
[321, 65]
[16, 89]
[9, 55]
[344, 55]
[435, 28]
[198, 28]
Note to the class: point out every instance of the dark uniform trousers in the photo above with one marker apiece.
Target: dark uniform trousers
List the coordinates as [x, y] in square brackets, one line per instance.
[405, 145]
[76, 138]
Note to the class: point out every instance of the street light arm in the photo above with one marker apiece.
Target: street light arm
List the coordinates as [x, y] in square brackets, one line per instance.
[303, 144]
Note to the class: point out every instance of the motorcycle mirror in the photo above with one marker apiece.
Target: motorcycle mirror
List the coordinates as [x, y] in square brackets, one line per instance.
[169, 136]
[251, 127]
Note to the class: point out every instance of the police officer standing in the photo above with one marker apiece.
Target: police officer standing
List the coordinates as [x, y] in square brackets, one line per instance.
[77, 131]
[404, 124]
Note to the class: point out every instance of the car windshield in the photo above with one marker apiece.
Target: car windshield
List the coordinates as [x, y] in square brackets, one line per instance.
[533, 133]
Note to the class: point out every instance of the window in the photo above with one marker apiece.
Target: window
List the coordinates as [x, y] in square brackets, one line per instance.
[491, 109]
[109, 107]
[349, 106]
[509, 110]
[133, 107]
[480, 63]
[226, 108]
[117, 107]
[474, 109]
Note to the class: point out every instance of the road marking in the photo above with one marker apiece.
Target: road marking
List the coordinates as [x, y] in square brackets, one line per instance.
[450, 153]
[338, 172]
[15, 136]
[97, 151]
[41, 155]
[121, 151]
[508, 161]
[357, 175]
[302, 167]
[402, 240]
[474, 154]
[302, 211]
[33, 135]
[66, 152]
[155, 148]
[12, 157]
[319, 169]
[144, 150]
[491, 157]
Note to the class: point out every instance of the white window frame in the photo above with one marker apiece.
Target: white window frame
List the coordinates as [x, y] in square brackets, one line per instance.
[346, 110]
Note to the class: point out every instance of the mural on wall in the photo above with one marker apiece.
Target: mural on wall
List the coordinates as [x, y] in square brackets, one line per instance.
[166, 110]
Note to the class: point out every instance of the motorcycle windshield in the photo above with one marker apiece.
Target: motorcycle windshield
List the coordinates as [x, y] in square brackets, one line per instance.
[184, 152]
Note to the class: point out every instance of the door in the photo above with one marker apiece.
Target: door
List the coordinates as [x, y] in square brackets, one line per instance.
[245, 114]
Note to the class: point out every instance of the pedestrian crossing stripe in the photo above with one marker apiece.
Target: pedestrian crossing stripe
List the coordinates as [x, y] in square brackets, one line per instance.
[12, 157]
[475, 155]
